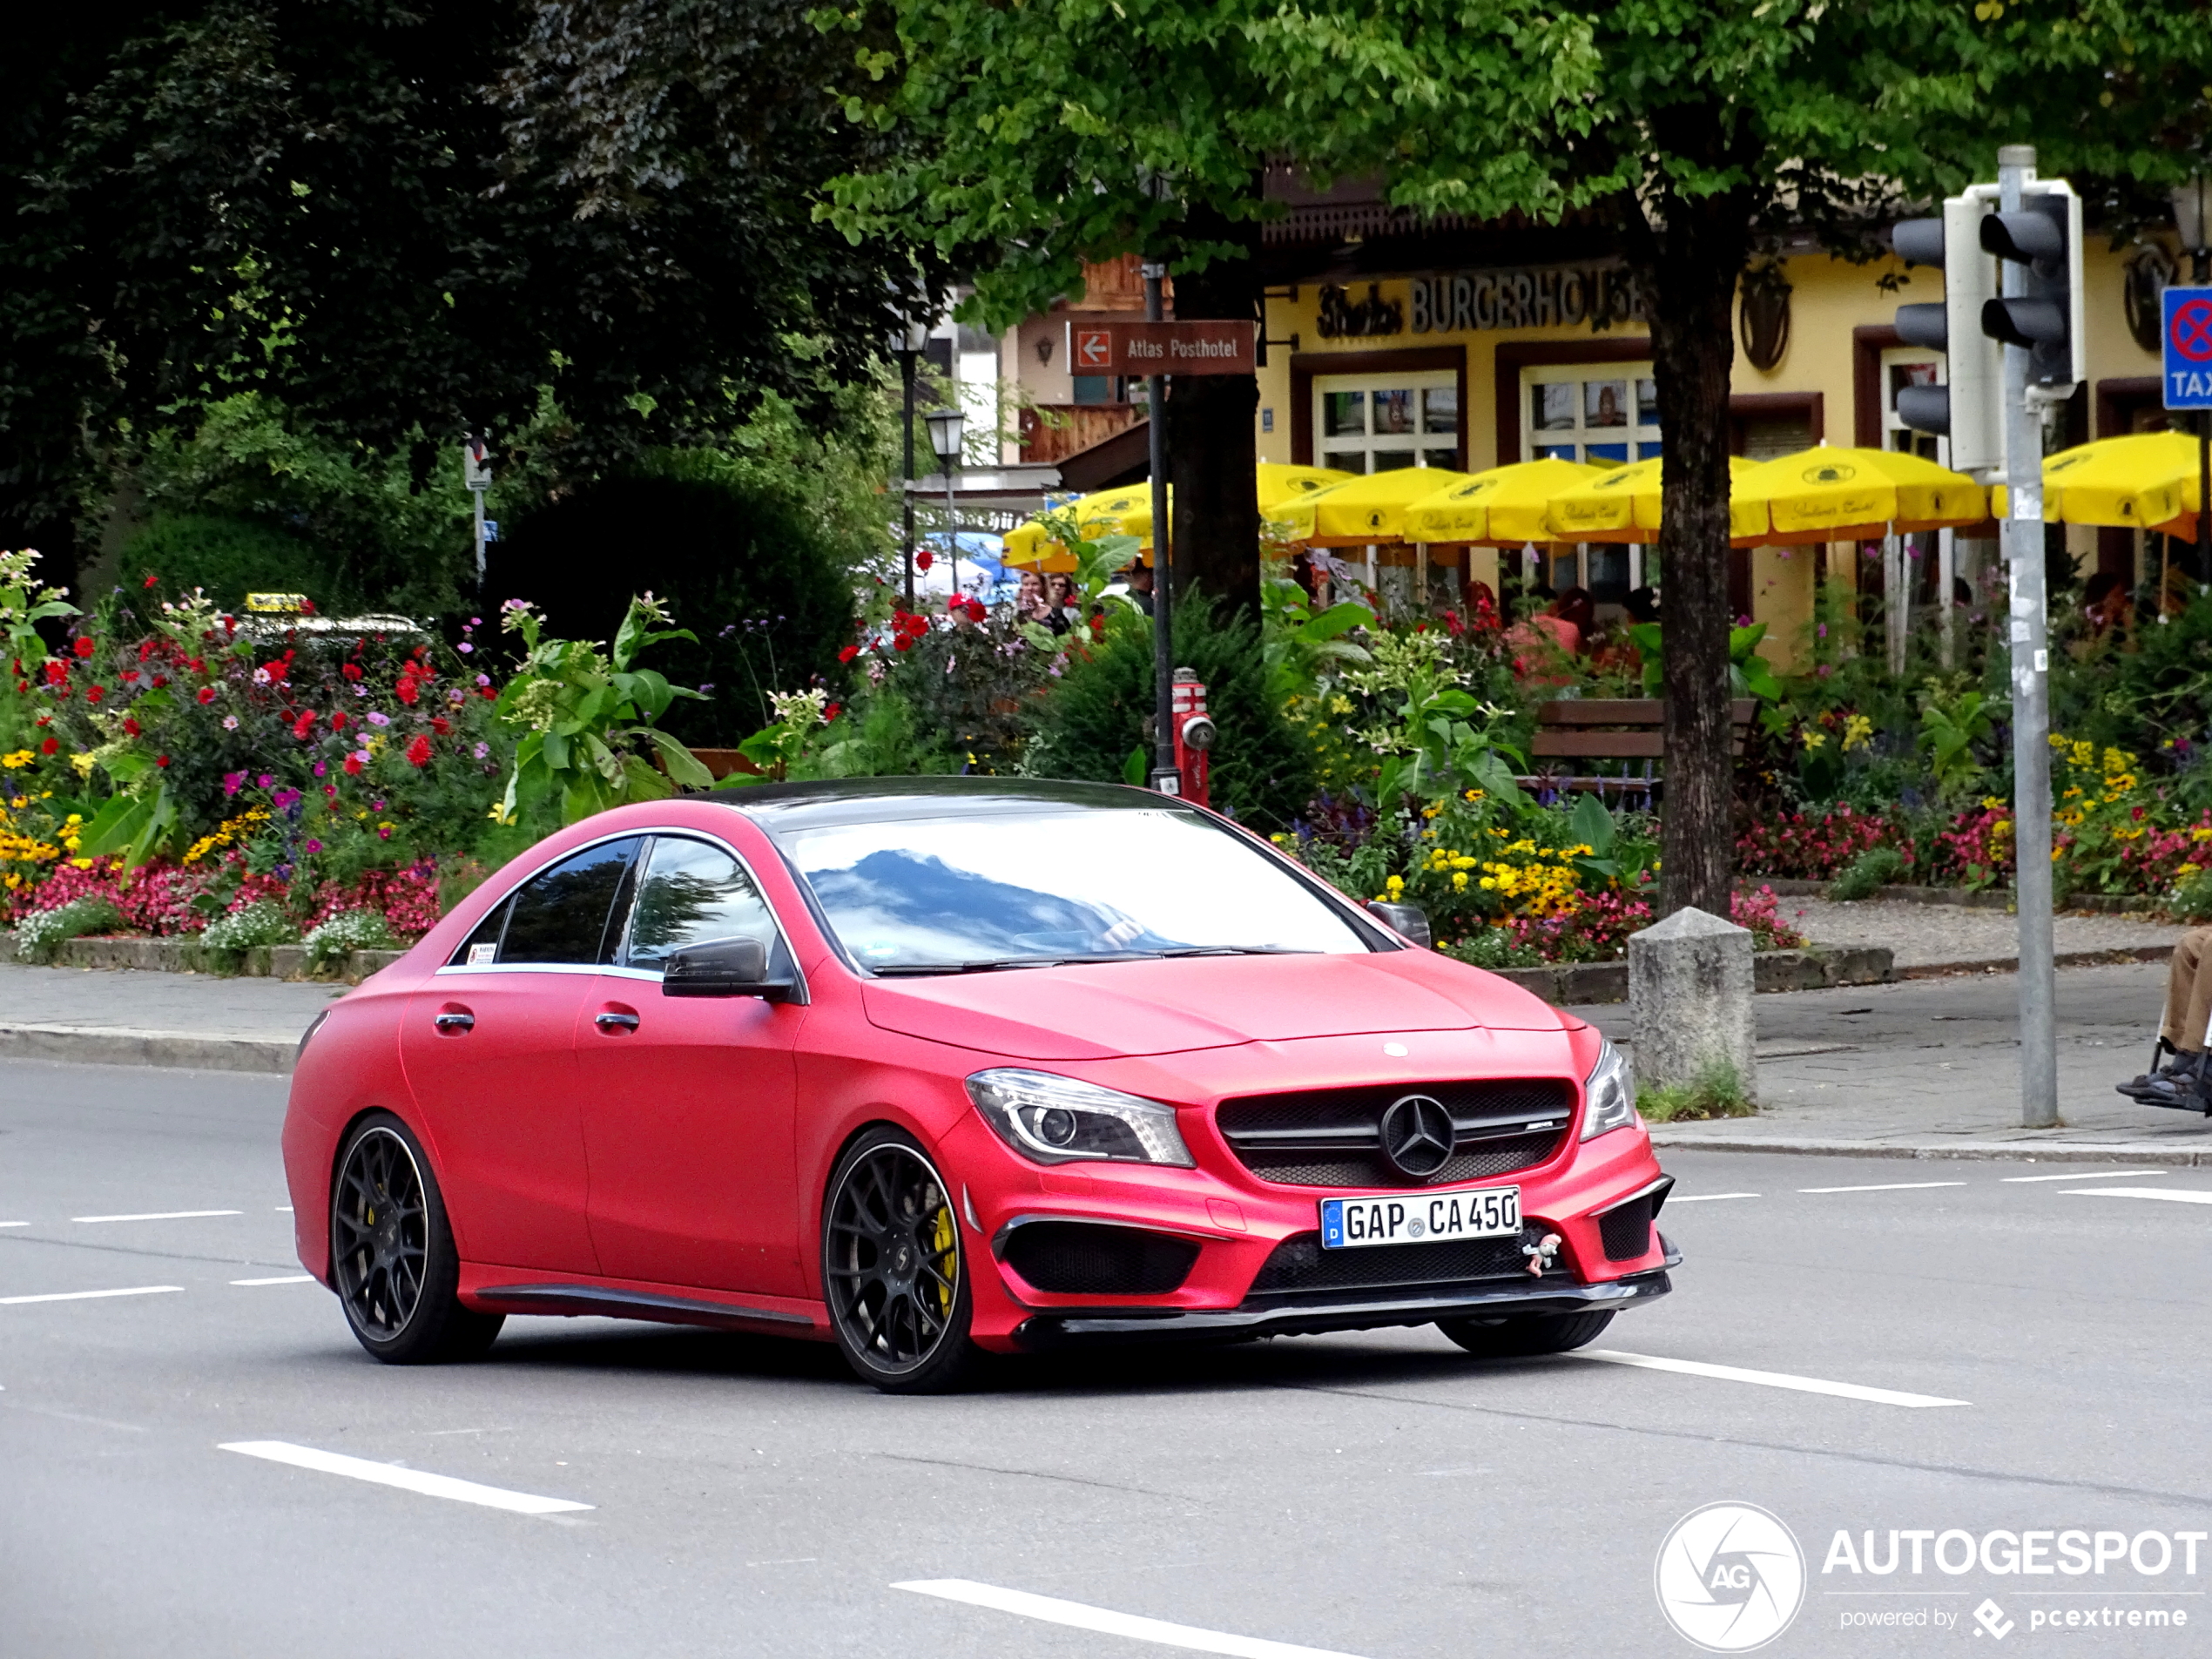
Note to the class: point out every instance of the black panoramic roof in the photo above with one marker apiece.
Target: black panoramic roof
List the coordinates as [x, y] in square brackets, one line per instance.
[778, 807]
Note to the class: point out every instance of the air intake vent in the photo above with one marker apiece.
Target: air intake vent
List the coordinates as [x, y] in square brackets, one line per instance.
[1077, 1259]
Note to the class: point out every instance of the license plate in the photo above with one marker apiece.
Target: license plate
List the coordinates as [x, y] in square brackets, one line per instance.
[1476, 1212]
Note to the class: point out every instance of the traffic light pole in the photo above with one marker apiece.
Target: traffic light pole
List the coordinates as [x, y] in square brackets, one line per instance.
[1165, 776]
[2023, 538]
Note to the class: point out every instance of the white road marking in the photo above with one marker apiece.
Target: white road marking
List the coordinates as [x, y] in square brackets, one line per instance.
[384, 1475]
[1705, 1197]
[281, 1278]
[1887, 1186]
[2109, 1175]
[163, 1215]
[1052, 1610]
[283, 1209]
[89, 1295]
[1767, 1378]
[2172, 1195]
[14, 1224]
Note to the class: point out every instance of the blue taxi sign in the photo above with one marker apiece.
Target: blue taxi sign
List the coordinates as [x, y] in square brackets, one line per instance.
[2186, 335]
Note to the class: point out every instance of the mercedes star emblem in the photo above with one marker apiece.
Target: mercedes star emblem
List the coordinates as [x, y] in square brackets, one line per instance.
[1417, 1136]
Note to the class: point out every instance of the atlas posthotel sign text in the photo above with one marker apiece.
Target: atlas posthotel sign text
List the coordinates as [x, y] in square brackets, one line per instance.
[1223, 347]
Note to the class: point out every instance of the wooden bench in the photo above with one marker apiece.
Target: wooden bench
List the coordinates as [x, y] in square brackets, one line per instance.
[1628, 730]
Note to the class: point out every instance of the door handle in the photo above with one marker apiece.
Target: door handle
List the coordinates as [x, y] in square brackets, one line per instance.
[612, 1022]
[455, 1022]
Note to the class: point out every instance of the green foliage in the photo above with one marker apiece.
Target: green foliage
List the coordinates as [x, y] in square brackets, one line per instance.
[232, 557]
[41, 933]
[1950, 727]
[1875, 867]
[761, 578]
[249, 928]
[1261, 773]
[1718, 1092]
[2190, 898]
[343, 934]
[24, 602]
[586, 719]
[1493, 949]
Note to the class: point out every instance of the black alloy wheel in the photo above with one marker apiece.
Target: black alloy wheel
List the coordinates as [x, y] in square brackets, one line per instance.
[1525, 1333]
[892, 1268]
[392, 1257]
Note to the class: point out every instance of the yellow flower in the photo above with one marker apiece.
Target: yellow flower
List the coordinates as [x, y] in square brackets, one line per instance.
[83, 763]
[1396, 884]
[1460, 881]
[1858, 731]
[18, 760]
[1814, 739]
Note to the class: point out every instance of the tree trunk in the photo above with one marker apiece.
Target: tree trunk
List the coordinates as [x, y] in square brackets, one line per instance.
[1210, 453]
[1689, 267]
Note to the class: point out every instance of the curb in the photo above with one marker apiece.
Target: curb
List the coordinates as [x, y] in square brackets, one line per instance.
[2061, 959]
[1581, 983]
[2101, 904]
[1982, 1152]
[92, 1045]
[186, 957]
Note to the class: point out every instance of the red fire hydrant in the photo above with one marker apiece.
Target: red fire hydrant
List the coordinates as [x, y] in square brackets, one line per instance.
[1194, 736]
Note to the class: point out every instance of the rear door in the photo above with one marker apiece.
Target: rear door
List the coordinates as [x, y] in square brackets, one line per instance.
[490, 1055]
[689, 1102]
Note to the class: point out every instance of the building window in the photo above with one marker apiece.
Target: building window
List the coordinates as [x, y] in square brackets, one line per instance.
[1096, 389]
[1378, 423]
[1603, 414]
[1899, 370]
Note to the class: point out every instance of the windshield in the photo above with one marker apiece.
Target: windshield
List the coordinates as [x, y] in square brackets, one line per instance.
[939, 894]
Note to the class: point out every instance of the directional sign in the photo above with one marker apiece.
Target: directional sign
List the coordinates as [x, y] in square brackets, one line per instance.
[2187, 336]
[1224, 348]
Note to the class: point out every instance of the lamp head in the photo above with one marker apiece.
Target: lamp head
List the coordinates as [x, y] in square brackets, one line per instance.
[945, 428]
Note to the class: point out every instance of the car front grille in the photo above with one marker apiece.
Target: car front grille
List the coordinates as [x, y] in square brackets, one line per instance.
[1084, 1258]
[1299, 1266]
[1333, 1137]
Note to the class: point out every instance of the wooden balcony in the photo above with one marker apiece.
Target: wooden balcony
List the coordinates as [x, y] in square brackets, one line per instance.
[1072, 426]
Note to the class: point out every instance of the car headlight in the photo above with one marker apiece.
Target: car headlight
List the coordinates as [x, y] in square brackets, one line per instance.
[1059, 1120]
[1608, 1093]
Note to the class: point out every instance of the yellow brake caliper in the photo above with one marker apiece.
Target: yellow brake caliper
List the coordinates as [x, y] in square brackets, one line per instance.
[941, 1240]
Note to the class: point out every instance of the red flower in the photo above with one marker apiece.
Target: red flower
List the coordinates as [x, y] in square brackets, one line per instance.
[914, 623]
[198, 664]
[57, 670]
[130, 727]
[849, 653]
[489, 694]
[418, 752]
[338, 721]
[94, 693]
[406, 691]
[976, 611]
[902, 644]
[160, 680]
[830, 712]
[440, 724]
[307, 607]
[84, 646]
[924, 559]
[352, 670]
[206, 694]
[150, 580]
[277, 671]
[52, 746]
[161, 760]
[353, 765]
[304, 725]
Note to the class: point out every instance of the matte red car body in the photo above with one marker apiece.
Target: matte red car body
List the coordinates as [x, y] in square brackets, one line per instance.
[685, 1162]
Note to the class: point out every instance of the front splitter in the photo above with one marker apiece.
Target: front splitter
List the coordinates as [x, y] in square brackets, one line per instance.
[1077, 1326]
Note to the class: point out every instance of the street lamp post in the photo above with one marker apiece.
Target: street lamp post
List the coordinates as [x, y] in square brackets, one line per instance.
[945, 427]
[2192, 201]
[906, 344]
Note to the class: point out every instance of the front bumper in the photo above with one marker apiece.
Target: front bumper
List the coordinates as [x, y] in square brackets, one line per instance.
[1364, 1311]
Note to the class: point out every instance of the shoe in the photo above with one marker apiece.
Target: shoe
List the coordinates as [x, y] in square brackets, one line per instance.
[2178, 1093]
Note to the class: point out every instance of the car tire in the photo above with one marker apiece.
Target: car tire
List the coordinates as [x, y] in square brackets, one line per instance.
[895, 1270]
[392, 1257]
[1525, 1333]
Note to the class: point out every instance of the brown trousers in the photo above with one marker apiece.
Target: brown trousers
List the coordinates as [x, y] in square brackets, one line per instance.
[2189, 991]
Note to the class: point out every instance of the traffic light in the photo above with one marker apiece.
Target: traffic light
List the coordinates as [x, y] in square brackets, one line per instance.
[2044, 235]
[1968, 409]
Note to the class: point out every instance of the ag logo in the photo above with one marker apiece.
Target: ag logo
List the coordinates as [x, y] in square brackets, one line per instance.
[1831, 472]
[1729, 1577]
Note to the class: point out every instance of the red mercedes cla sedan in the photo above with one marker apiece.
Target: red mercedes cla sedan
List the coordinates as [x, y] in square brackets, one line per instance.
[926, 1067]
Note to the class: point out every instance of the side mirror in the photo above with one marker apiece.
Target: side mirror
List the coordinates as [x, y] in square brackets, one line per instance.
[723, 968]
[1407, 919]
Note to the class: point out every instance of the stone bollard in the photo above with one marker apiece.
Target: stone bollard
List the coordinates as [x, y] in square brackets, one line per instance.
[1690, 1001]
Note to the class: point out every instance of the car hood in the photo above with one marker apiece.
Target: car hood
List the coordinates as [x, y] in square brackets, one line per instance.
[1102, 1010]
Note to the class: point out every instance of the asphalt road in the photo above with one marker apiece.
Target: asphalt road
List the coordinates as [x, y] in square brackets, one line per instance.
[1377, 1495]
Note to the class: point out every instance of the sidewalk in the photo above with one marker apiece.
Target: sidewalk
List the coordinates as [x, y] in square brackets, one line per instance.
[125, 1017]
[1927, 936]
[1929, 1068]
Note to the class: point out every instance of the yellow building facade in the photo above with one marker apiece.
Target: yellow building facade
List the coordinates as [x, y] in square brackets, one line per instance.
[1477, 368]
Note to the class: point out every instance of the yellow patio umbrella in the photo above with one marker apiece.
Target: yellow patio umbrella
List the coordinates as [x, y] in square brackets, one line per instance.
[1838, 495]
[1621, 504]
[1503, 507]
[1127, 512]
[2145, 481]
[1364, 508]
[1279, 483]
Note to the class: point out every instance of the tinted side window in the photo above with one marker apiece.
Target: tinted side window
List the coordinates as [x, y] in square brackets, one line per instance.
[690, 893]
[482, 945]
[561, 916]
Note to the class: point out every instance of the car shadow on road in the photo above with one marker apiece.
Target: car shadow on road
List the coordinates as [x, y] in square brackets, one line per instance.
[1345, 1362]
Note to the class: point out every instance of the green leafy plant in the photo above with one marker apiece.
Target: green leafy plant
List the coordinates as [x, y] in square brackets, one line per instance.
[1875, 867]
[1949, 729]
[40, 934]
[586, 716]
[1749, 674]
[344, 933]
[1717, 1092]
[249, 928]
